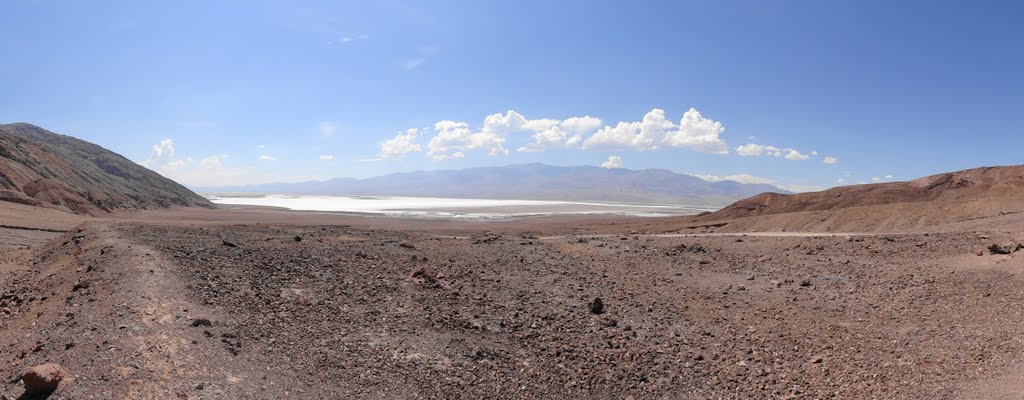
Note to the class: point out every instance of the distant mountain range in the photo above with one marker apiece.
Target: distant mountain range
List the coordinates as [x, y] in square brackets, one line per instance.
[45, 169]
[528, 182]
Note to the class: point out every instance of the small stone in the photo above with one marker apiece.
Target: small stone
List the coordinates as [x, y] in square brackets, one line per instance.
[816, 360]
[298, 239]
[805, 282]
[43, 379]
[597, 306]
[201, 322]
[406, 245]
[229, 243]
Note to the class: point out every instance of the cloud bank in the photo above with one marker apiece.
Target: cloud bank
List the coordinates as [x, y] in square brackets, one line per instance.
[655, 131]
[455, 139]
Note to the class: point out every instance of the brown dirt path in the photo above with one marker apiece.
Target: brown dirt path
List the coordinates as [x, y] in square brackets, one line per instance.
[116, 315]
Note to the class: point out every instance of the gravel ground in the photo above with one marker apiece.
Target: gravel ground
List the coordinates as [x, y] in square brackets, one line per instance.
[257, 311]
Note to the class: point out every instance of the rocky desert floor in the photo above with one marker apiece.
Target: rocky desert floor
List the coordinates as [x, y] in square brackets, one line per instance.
[269, 304]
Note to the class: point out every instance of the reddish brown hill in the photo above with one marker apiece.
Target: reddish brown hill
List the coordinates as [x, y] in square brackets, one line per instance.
[42, 168]
[936, 199]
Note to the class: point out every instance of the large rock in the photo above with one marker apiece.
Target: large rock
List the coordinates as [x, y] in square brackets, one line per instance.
[1004, 248]
[43, 378]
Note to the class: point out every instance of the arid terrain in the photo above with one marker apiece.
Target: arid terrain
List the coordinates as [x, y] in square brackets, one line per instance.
[251, 303]
[896, 290]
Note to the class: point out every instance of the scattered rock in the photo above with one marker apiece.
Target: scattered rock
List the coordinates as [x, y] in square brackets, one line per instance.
[489, 238]
[43, 379]
[406, 245]
[427, 277]
[694, 248]
[298, 239]
[805, 282]
[597, 306]
[201, 322]
[816, 360]
[1004, 248]
[229, 243]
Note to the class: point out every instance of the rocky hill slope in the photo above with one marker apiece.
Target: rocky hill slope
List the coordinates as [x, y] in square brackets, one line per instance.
[937, 199]
[45, 169]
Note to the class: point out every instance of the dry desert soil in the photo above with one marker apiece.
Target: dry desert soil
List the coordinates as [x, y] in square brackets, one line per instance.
[250, 303]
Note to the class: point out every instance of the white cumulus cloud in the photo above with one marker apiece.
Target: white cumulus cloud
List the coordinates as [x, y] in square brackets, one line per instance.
[162, 154]
[612, 162]
[830, 160]
[211, 162]
[173, 166]
[163, 149]
[212, 170]
[162, 159]
[757, 150]
[400, 145]
[265, 157]
[553, 134]
[327, 157]
[453, 139]
[655, 131]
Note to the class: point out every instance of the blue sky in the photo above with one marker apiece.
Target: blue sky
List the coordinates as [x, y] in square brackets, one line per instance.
[213, 93]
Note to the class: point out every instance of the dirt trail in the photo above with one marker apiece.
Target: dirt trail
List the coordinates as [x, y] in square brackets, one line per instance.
[118, 316]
